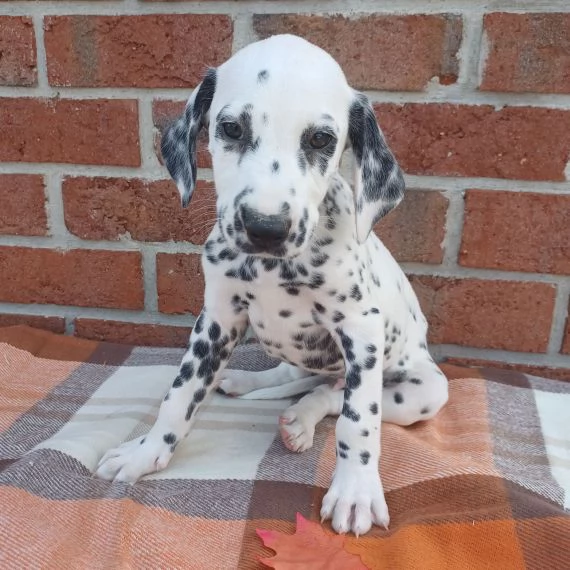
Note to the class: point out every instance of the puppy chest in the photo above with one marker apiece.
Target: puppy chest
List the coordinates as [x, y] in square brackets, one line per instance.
[288, 332]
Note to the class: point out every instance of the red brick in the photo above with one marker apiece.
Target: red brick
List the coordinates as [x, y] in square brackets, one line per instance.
[534, 370]
[53, 324]
[135, 51]
[414, 231]
[379, 52]
[109, 208]
[516, 231]
[180, 283]
[525, 143]
[166, 111]
[17, 51]
[98, 131]
[506, 315]
[85, 278]
[132, 333]
[23, 210]
[527, 53]
[566, 341]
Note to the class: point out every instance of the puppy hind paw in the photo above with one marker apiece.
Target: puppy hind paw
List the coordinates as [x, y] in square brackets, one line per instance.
[297, 434]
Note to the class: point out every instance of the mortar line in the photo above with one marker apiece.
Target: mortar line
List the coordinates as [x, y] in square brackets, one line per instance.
[451, 243]
[470, 52]
[149, 160]
[365, 7]
[72, 312]
[455, 94]
[58, 228]
[560, 316]
[41, 57]
[452, 183]
[511, 357]
[149, 279]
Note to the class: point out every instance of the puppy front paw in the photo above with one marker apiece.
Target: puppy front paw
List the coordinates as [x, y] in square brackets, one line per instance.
[133, 459]
[355, 500]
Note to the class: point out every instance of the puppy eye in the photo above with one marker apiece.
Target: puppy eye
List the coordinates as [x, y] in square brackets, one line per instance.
[232, 130]
[320, 139]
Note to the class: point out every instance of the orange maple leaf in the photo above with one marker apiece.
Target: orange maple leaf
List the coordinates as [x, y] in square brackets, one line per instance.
[310, 548]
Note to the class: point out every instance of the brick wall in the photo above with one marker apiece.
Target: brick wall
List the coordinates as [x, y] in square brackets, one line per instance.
[476, 105]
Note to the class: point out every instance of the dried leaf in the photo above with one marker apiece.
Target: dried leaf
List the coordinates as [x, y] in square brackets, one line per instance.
[310, 548]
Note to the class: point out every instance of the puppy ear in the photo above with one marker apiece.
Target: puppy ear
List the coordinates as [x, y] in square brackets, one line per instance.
[179, 140]
[378, 180]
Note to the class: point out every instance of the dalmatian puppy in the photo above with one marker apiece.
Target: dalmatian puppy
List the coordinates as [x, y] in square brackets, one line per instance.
[292, 253]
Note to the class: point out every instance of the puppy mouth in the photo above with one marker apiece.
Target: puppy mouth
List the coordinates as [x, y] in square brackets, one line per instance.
[280, 251]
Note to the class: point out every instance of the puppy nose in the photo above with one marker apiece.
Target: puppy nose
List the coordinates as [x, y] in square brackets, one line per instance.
[265, 231]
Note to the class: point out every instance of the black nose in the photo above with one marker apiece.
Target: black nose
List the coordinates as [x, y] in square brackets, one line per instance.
[265, 231]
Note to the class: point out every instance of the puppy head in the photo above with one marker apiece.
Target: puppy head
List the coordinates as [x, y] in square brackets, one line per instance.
[280, 114]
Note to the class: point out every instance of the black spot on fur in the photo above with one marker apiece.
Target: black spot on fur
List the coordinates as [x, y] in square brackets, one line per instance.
[198, 325]
[199, 395]
[350, 413]
[355, 293]
[393, 378]
[186, 370]
[364, 457]
[269, 263]
[201, 348]
[373, 408]
[364, 433]
[302, 270]
[285, 313]
[353, 379]
[416, 381]
[370, 362]
[343, 454]
[424, 411]
[337, 316]
[169, 438]
[319, 259]
[320, 308]
[275, 166]
[343, 446]
[190, 411]
[263, 76]
[398, 398]
[214, 331]
[371, 348]
[287, 271]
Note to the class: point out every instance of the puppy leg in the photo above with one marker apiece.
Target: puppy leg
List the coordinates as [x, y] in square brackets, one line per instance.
[414, 393]
[355, 499]
[297, 423]
[211, 343]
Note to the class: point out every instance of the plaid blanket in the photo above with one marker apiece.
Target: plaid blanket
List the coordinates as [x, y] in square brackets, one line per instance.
[486, 484]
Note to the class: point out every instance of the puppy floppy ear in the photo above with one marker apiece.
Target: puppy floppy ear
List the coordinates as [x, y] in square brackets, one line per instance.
[378, 180]
[179, 141]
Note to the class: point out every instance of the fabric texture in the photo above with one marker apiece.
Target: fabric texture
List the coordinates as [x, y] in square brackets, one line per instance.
[486, 484]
